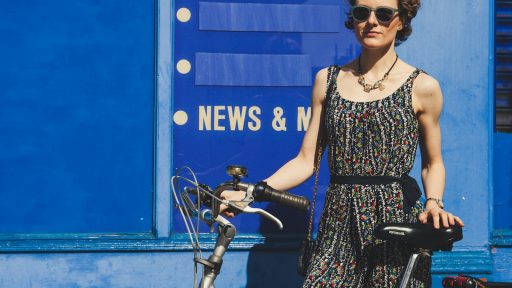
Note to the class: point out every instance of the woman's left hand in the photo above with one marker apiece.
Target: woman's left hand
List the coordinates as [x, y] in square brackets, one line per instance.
[439, 216]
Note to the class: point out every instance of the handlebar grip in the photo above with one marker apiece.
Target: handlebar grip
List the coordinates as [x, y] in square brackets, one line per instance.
[263, 192]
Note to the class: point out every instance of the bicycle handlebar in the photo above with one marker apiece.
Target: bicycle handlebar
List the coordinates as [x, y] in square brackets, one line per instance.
[264, 192]
[260, 192]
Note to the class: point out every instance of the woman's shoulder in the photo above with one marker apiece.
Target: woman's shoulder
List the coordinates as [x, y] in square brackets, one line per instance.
[323, 72]
[322, 75]
[327, 71]
[350, 66]
[425, 83]
[427, 92]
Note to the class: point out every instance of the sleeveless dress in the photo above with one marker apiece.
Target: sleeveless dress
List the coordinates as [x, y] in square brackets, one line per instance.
[366, 138]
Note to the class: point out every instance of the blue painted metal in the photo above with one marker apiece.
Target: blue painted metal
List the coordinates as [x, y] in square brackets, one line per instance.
[502, 238]
[212, 138]
[502, 181]
[141, 242]
[264, 70]
[71, 236]
[76, 117]
[502, 202]
[269, 17]
[491, 110]
[163, 122]
[457, 262]
[503, 65]
[502, 262]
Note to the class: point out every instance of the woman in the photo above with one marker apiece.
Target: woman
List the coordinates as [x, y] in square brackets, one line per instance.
[377, 110]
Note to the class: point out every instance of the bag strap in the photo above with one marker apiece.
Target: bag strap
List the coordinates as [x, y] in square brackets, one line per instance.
[332, 75]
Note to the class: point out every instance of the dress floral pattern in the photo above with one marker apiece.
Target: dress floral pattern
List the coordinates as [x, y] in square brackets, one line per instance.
[366, 138]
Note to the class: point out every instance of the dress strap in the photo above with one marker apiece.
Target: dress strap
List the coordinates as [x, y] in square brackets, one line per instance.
[409, 85]
[332, 75]
[414, 74]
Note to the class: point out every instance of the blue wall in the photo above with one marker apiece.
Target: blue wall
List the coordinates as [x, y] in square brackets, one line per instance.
[462, 64]
[458, 54]
[174, 269]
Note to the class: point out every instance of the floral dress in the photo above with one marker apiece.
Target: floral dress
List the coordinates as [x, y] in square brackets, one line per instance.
[366, 138]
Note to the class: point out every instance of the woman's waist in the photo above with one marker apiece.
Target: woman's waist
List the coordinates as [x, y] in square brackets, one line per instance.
[367, 179]
[410, 187]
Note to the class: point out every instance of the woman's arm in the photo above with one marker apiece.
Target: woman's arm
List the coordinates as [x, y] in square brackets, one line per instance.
[300, 168]
[429, 100]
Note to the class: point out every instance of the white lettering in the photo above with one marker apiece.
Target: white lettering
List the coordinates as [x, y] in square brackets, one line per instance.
[303, 118]
[255, 125]
[205, 118]
[217, 117]
[236, 117]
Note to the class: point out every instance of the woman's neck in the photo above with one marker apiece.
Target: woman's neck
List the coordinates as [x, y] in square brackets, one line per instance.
[376, 62]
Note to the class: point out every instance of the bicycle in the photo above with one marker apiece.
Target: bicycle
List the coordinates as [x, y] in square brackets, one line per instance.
[205, 196]
[424, 240]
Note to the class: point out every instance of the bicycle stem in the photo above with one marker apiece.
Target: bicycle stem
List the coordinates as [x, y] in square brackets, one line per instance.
[226, 232]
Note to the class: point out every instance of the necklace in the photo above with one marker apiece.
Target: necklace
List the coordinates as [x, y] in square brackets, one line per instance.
[367, 87]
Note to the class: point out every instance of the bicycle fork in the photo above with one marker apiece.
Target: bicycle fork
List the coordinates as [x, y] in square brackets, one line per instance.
[226, 232]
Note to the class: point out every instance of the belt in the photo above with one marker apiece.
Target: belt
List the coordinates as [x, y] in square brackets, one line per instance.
[411, 189]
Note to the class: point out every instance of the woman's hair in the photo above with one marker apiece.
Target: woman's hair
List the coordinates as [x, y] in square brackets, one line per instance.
[408, 10]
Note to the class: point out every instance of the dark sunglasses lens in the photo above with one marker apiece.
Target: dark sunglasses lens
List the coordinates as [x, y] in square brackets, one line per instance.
[384, 14]
[360, 13]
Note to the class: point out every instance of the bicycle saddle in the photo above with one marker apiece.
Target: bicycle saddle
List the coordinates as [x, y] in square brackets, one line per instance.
[420, 235]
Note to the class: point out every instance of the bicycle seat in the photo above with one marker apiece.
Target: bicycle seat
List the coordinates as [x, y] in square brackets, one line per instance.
[420, 235]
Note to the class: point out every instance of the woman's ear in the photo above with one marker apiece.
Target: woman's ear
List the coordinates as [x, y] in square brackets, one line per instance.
[401, 22]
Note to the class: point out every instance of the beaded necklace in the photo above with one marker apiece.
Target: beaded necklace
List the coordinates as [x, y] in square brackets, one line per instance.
[368, 87]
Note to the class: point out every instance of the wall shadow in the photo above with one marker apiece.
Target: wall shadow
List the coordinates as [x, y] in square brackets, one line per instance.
[275, 265]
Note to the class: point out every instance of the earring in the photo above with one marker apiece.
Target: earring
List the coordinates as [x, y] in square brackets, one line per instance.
[400, 28]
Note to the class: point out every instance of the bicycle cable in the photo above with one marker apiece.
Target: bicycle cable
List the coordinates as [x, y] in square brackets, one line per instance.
[196, 247]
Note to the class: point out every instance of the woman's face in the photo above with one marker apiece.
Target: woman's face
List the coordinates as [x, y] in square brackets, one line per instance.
[373, 34]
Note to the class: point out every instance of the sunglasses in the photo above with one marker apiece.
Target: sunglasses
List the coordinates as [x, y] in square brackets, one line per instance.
[384, 14]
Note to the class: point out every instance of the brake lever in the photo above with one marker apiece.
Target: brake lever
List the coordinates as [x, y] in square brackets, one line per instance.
[243, 205]
[249, 196]
[249, 209]
[239, 205]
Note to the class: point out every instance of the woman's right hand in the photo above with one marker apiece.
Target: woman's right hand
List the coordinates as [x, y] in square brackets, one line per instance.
[231, 196]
